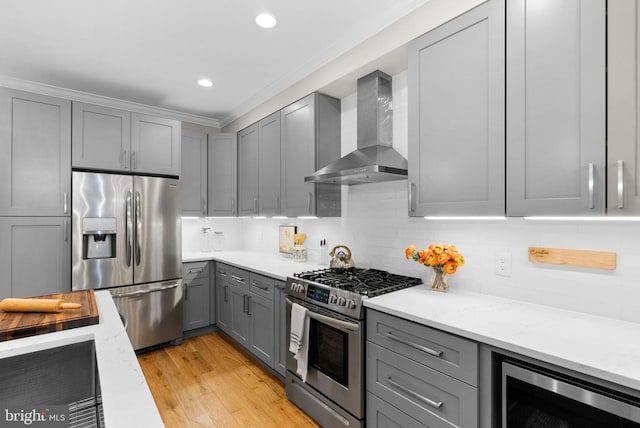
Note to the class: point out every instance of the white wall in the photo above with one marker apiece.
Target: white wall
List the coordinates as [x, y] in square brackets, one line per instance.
[375, 225]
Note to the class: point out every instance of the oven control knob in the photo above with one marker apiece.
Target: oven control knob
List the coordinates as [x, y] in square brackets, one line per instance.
[300, 288]
[296, 287]
[333, 298]
[341, 301]
[350, 304]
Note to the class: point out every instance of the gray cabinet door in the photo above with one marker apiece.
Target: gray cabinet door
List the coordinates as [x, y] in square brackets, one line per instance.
[623, 141]
[239, 327]
[194, 173]
[248, 165]
[35, 154]
[456, 116]
[269, 168]
[223, 175]
[223, 305]
[298, 157]
[262, 335]
[196, 295]
[155, 145]
[101, 137]
[556, 107]
[35, 256]
[281, 340]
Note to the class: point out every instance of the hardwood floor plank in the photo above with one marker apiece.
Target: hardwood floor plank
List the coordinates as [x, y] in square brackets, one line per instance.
[210, 381]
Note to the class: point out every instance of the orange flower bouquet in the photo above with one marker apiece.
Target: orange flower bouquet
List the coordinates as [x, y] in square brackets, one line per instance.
[443, 259]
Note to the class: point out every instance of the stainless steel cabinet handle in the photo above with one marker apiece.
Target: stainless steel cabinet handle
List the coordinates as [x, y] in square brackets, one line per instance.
[248, 304]
[222, 272]
[125, 159]
[591, 190]
[204, 207]
[186, 291]
[128, 230]
[277, 204]
[65, 230]
[138, 229]
[244, 303]
[233, 207]
[413, 345]
[196, 270]
[620, 184]
[65, 202]
[425, 400]
[411, 198]
[309, 203]
[255, 205]
[226, 293]
[261, 287]
[135, 160]
[237, 278]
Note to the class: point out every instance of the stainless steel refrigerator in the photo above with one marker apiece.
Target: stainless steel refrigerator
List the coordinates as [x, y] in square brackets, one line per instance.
[127, 238]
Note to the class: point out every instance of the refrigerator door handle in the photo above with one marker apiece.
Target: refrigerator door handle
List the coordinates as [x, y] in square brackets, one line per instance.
[138, 229]
[128, 230]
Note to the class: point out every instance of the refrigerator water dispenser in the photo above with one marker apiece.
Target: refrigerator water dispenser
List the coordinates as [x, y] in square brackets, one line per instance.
[98, 238]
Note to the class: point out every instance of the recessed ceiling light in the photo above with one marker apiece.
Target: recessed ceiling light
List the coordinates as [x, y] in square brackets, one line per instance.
[265, 20]
[205, 82]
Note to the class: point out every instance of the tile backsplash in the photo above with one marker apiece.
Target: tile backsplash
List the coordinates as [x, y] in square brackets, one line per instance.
[375, 226]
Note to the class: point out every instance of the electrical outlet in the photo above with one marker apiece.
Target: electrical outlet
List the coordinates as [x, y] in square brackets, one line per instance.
[503, 264]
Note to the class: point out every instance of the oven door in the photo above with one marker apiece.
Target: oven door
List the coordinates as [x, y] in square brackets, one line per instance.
[335, 366]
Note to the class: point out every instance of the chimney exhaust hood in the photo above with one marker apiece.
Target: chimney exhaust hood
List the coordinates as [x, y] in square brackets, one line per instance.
[375, 159]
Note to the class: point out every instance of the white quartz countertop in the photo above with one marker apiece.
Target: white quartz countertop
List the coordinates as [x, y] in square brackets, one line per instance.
[275, 265]
[605, 348]
[126, 399]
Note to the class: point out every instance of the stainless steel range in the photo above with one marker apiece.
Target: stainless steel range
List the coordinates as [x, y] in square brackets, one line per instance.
[333, 393]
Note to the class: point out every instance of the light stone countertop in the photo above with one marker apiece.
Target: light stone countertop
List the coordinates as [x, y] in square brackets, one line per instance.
[275, 265]
[126, 398]
[602, 347]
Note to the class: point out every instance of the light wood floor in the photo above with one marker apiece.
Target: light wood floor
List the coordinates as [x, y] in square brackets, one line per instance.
[209, 381]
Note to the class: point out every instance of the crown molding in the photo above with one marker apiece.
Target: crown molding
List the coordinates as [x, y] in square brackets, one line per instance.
[86, 97]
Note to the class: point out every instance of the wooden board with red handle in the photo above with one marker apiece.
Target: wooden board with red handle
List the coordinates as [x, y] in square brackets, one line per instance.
[14, 325]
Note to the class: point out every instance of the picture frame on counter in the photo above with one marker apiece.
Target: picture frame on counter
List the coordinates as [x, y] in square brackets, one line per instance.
[286, 238]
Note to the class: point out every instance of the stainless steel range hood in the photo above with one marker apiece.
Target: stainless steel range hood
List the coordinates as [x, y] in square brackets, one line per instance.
[375, 159]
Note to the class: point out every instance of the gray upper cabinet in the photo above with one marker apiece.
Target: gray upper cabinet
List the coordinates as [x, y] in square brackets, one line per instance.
[26, 242]
[269, 167]
[101, 137]
[556, 107]
[623, 143]
[194, 173]
[155, 145]
[310, 139]
[456, 116]
[223, 175]
[248, 155]
[35, 154]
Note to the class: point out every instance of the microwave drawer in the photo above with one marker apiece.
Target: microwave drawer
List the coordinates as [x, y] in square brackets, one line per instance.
[449, 354]
[425, 394]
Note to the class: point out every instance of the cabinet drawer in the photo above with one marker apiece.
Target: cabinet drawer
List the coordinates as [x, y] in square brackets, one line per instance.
[262, 285]
[234, 275]
[423, 393]
[223, 271]
[195, 269]
[381, 414]
[442, 351]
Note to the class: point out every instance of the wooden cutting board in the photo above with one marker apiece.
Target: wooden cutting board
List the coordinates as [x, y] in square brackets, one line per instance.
[14, 325]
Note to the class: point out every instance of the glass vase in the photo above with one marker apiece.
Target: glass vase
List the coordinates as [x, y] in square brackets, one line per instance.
[439, 279]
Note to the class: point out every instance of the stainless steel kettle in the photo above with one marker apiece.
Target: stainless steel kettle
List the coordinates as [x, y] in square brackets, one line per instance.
[341, 260]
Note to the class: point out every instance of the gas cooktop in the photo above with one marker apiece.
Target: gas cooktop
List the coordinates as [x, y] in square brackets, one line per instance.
[343, 290]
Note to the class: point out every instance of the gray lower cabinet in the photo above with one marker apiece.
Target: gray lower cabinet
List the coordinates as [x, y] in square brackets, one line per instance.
[416, 373]
[195, 279]
[310, 139]
[101, 137]
[155, 145]
[222, 186]
[26, 242]
[223, 298]
[457, 116]
[194, 173]
[623, 139]
[248, 166]
[556, 104]
[281, 340]
[35, 154]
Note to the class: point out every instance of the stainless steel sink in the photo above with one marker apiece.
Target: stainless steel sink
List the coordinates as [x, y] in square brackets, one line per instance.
[60, 376]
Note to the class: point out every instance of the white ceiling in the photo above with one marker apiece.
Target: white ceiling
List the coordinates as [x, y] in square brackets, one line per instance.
[153, 51]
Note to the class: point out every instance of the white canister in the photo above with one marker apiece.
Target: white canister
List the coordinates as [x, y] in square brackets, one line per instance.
[299, 253]
[218, 241]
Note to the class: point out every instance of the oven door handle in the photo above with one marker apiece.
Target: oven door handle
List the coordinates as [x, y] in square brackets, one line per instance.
[331, 321]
